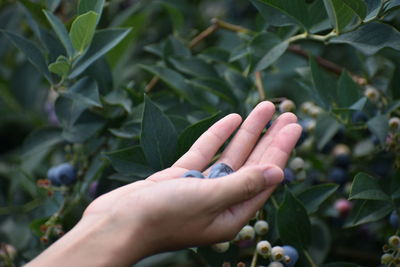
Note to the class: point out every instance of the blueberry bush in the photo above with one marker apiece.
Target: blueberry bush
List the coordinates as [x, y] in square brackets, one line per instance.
[96, 94]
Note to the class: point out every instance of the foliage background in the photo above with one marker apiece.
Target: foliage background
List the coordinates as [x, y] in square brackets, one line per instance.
[197, 61]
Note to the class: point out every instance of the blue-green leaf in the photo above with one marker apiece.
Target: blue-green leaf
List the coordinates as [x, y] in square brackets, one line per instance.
[158, 137]
[31, 51]
[367, 187]
[372, 37]
[103, 41]
[61, 32]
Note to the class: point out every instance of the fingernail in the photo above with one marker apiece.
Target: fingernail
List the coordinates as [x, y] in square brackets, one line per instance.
[273, 175]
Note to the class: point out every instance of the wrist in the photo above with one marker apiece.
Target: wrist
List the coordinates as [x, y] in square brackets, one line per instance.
[94, 242]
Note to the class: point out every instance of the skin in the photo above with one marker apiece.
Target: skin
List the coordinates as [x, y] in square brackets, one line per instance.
[166, 212]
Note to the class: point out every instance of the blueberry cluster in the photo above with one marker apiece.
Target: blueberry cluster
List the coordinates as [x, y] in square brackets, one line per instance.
[63, 174]
[217, 170]
[285, 256]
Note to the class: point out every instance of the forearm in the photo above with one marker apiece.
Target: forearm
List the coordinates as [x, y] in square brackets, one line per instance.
[92, 243]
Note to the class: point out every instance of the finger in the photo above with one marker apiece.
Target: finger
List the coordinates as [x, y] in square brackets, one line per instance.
[262, 145]
[203, 150]
[242, 185]
[281, 146]
[247, 136]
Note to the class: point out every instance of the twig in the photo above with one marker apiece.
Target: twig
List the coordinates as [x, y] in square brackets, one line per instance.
[309, 258]
[260, 86]
[201, 36]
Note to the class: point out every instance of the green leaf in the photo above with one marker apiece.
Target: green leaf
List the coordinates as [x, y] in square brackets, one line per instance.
[379, 126]
[103, 41]
[31, 51]
[86, 92]
[217, 87]
[82, 31]
[119, 98]
[367, 187]
[172, 78]
[61, 67]
[85, 6]
[271, 56]
[392, 6]
[324, 86]
[314, 196]
[192, 133]
[326, 128]
[358, 6]
[371, 37]
[295, 9]
[321, 241]
[84, 127]
[194, 67]
[271, 15]
[365, 211]
[293, 232]
[175, 15]
[61, 32]
[348, 92]
[130, 161]
[40, 140]
[340, 14]
[158, 137]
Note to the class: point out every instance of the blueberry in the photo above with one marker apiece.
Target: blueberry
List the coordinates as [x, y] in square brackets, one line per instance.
[359, 116]
[304, 132]
[293, 255]
[193, 173]
[63, 174]
[53, 177]
[219, 170]
[288, 175]
[394, 220]
[343, 160]
[338, 175]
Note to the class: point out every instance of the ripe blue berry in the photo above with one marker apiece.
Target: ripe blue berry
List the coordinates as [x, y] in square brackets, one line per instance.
[394, 220]
[219, 170]
[63, 174]
[288, 175]
[359, 116]
[292, 253]
[193, 173]
[338, 175]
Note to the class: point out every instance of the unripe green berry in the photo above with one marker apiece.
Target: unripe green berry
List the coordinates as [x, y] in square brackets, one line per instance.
[220, 247]
[263, 248]
[341, 149]
[247, 233]
[372, 94]
[394, 241]
[287, 106]
[277, 253]
[306, 107]
[275, 264]
[9, 250]
[315, 111]
[296, 164]
[386, 258]
[261, 227]
[394, 123]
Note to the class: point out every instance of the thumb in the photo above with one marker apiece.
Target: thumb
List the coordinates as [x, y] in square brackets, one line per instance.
[245, 184]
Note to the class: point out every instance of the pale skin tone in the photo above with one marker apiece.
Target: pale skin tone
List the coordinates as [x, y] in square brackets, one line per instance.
[166, 212]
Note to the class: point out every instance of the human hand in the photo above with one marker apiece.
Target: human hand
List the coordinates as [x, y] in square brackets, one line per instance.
[166, 212]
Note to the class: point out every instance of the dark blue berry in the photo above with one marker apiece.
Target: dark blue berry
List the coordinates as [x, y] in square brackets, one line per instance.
[338, 175]
[359, 116]
[63, 174]
[53, 177]
[343, 160]
[304, 133]
[289, 175]
[193, 173]
[394, 220]
[293, 255]
[219, 170]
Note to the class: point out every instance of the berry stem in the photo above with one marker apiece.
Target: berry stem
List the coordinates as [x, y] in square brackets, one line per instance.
[255, 254]
[309, 258]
